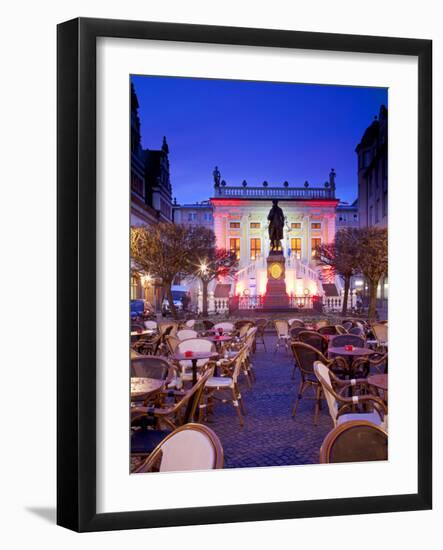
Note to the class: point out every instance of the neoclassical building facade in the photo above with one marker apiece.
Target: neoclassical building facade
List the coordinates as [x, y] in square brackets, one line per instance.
[241, 225]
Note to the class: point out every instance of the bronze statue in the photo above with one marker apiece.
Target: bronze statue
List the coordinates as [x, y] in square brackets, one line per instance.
[216, 174]
[276, 220]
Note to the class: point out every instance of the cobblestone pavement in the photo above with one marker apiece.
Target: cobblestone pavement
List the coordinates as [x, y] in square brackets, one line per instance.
[270, 436]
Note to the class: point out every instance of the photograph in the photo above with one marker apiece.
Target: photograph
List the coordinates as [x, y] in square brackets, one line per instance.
[258, 274]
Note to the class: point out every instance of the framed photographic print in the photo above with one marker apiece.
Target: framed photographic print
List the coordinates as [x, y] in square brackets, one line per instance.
[244, 274]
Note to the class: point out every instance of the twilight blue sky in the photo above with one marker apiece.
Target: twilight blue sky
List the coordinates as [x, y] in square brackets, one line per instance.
[255, 131]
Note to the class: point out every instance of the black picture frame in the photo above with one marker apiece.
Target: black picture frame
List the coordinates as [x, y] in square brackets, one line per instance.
[76, 264]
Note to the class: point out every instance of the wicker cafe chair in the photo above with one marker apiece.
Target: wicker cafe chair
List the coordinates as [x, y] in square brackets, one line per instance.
[295, 331]
[261, 325]
[282, 328]
[341, 329]
[225, 326]
[248, 368]
[228, 384]
[343, 409]
[305, 356]
[295, 323]
[149, 366]
[314, 339]
[147, 422]
[190, 447]
[207, 324]
[193, 344]
[243, 330]
[148, 344]
[377, 362]
[380, 331]
[347, 325]
[359, 331]
[354, 441]
[186, 334]
[322, 323]
[330, 330]
[347, 340]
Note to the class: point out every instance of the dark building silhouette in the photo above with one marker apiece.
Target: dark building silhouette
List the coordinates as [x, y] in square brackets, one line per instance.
[151, 190]
[372, 154]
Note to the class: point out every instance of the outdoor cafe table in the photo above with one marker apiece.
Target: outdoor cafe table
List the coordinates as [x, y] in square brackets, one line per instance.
[350, 355]
[141, 388]
[194, 358]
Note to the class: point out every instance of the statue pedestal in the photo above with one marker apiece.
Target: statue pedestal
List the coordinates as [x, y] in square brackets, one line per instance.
[276, 296]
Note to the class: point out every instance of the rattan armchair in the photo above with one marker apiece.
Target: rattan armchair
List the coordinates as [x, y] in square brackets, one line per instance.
[189, 447]
[315, 339]
[304, 358]
[354, 441]
[148, 423]
[343, 408]
[283, 337]
[261, 325]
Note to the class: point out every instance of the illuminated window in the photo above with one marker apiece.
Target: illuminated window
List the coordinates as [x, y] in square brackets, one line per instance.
[234, 246]
[296, 225]
[255, 248]
[192, 216]
[314, 244]
[255, 225]
[296, 248]
[234, 225]
[316, 225]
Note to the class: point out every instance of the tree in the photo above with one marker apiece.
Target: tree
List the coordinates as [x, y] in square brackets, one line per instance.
[372, 260]
[163, 251]
[342, 256]
[208, 261]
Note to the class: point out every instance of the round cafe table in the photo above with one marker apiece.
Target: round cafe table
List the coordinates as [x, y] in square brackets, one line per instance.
[142, 388]
[350, 355]
[194, 358]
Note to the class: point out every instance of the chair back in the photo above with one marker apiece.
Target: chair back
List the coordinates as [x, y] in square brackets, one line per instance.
[305, 356]
[137, 327]
[322, 373]
[354, 441]
[356, 330]
[380, 332]
[226, 327]
[190, 323]
[314, 339]
[347, 325]
[322, 323]
[149, 366]
[244, 329]
[347, 340]
[166, 328]
[194, 344]
[328, 329]
[282, 327]
[341, 329]
[207, 324]
[295, 331]
[150, 325]
[295, 323]
[189, 447]
[172, 343]
[185, 334]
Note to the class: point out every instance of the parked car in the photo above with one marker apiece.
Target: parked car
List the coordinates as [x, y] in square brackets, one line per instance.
[140, 308]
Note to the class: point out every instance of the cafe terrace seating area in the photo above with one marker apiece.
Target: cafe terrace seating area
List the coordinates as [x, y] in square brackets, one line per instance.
[257, 392]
